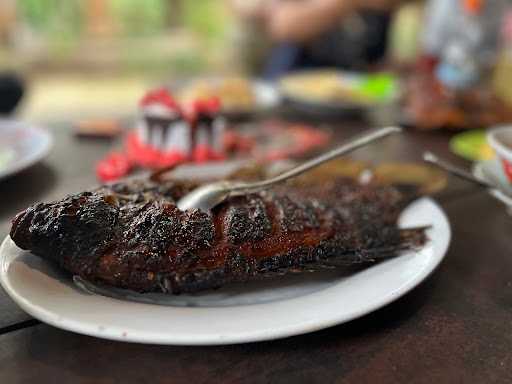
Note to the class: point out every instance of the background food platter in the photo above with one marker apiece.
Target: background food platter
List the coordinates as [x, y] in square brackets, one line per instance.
[338, 93]
[240, 97]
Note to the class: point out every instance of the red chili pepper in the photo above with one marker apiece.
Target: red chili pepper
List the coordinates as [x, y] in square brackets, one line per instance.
[113, 167]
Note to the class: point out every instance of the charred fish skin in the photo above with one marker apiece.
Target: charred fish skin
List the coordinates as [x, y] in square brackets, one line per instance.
[74, 232]
[119, 236]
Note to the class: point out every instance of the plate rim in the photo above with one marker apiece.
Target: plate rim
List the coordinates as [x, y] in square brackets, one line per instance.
[296, 328]
[34, 157]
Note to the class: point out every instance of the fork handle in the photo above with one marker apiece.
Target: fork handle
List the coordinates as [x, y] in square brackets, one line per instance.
[431, 158]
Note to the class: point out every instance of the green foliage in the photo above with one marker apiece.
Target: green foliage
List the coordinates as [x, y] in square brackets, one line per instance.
[138, 17]
[205, 17]
[56, 18]
[61, 23]
[187, 63]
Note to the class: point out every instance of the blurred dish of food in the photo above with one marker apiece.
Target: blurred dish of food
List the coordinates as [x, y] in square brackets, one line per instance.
[425, 179]
[472, 145]
[237, 94]
[428, 180]
[339, 88]
[428, 105]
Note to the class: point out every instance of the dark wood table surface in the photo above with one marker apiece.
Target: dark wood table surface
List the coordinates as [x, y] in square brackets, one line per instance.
[456, 327]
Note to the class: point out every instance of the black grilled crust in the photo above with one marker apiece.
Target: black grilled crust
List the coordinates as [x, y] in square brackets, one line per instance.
[133, 236]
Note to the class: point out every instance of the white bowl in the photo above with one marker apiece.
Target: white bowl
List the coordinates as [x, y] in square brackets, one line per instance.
[498, 138]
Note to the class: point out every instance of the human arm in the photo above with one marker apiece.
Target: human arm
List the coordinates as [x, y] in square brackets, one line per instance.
[302, 21]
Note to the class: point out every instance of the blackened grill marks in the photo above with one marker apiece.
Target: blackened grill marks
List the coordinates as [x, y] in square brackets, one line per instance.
[316, 227]
[246, 220]
[295, 216]
[140, 240]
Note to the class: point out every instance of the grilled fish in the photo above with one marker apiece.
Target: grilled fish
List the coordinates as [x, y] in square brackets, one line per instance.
[131, 235]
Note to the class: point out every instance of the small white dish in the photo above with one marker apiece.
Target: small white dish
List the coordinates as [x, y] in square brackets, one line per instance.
[255, 311]
[21, 146]
[492, 172]
[500, 140]
[347, 100]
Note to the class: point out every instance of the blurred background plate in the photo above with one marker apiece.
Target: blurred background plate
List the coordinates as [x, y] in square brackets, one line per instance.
[240, 96]
[21, 145]
[340, 93]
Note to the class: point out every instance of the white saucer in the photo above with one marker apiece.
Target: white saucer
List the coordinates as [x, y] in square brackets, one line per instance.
[21, 145]
[256, 311]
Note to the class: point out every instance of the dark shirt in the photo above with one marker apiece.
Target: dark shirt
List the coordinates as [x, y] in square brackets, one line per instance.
[356, 43]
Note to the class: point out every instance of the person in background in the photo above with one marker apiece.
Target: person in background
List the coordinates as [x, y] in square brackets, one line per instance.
[347, 34]
[11, 86]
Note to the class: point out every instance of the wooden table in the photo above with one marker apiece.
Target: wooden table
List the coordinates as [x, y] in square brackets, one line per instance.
[456, 327]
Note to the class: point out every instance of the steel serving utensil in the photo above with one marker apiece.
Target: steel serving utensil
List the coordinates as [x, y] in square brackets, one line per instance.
[208, 196]
[493, 186]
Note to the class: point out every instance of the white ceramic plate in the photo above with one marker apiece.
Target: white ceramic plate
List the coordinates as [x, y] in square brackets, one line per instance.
[21, 145]
[240, 313]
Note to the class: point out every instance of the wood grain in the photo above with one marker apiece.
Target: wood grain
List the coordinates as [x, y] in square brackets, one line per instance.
[453, 328]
